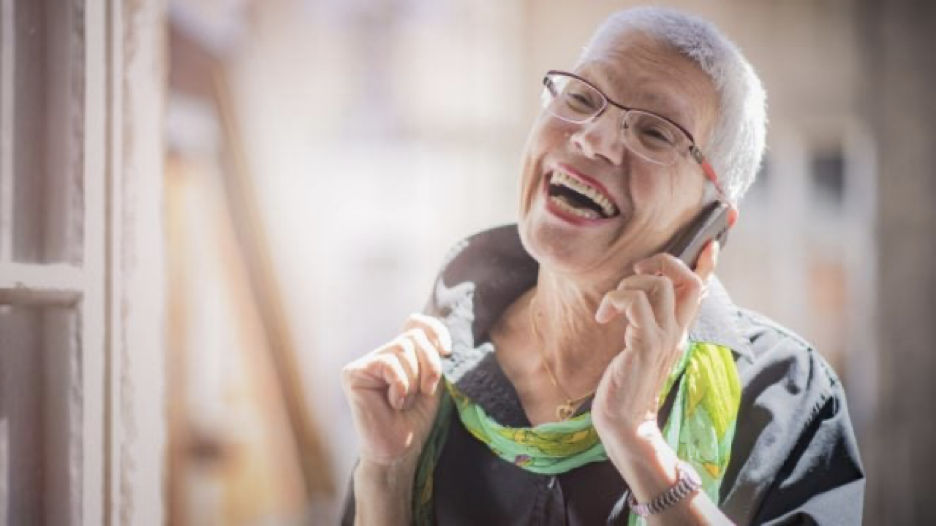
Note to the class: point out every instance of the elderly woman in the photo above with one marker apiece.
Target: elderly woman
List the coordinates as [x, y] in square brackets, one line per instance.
[582, 367]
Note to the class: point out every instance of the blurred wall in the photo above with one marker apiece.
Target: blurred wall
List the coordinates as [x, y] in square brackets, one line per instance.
[897, 43]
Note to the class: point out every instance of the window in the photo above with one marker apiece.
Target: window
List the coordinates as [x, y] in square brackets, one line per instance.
[42, 281]
[827, 169]
[81, 409]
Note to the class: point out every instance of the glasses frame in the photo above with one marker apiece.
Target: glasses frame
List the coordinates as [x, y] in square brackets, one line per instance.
[694, 151]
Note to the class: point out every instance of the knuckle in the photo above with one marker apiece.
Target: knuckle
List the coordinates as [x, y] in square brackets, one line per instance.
[432, 323]
[657, 283]
[415, 319]
[695, 282]
[625, 293]
[622, 301]
[385, 360]
[347, 372]
[426, 322]
[670, 259]
[420, 338]
[405, 343]
[383, 349]
[409, 333]
[427, 329]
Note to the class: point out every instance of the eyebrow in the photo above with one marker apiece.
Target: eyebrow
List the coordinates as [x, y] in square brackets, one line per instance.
[671, 110]
[658, 102]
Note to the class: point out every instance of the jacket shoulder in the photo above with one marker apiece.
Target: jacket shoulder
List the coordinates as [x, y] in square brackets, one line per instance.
[778, 349]
[794, 452]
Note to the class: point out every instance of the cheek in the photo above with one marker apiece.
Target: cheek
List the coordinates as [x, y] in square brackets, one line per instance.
[664, 188]
[664, 198]
[650, 186]
[548, 135]
[528, 185]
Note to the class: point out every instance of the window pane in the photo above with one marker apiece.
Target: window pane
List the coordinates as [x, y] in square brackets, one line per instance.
[48, 95]
[828, 176]
[36, 406]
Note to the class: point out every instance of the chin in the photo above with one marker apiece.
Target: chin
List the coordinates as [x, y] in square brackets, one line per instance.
[553, 249]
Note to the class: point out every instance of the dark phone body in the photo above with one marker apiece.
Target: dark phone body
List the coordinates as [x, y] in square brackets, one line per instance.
[711, 223]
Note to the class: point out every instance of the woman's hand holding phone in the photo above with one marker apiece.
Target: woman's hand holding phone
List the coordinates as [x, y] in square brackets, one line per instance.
[658, 304]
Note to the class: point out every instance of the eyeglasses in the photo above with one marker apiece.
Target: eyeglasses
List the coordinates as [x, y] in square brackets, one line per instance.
[653, 137]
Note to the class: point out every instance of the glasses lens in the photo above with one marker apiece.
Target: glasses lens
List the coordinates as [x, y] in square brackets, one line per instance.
[652, 137]
[571, 99]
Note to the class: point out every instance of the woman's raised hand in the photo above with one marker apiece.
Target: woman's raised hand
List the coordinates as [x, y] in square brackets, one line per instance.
[658, 303]
[394, 391]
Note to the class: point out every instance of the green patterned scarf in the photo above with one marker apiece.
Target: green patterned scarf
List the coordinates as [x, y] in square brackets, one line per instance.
[700, 428]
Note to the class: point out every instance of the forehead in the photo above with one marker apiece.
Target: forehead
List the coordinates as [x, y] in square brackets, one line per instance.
[640, 71]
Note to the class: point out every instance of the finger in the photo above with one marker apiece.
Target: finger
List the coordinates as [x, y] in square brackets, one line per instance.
[392, 372]
[687, 285]
[437, 332]
[660, 292]
[430, 365]
[663, 264]
[708, 259]
[632, 303]
[405, 350]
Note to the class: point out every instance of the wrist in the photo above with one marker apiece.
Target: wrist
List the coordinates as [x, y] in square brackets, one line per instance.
[383, 493]
[644, 459]
[385, 477]
[687, 484]
[637, 445]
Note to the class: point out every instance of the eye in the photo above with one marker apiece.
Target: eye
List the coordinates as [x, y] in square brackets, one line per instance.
[654, 133]
[581, 101]
[657, 134]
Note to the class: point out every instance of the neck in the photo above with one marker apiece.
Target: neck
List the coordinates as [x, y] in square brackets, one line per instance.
[563, 313]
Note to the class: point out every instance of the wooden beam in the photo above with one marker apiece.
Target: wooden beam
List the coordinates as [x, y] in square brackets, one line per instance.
[256, 252]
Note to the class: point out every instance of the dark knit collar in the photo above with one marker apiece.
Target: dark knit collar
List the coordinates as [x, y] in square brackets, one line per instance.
[488, 271]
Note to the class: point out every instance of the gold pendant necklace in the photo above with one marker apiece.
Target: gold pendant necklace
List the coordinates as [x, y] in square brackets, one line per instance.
[567, 408]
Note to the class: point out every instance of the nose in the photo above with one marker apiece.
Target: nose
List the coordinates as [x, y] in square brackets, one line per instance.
[600, 138]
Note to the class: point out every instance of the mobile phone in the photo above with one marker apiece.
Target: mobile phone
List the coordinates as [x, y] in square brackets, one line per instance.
[711, 223]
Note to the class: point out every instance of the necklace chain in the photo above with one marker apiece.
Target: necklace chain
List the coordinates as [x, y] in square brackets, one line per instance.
[567, 408]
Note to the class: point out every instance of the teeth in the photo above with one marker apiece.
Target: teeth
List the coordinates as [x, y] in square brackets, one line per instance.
[586, 213]
[567, 180]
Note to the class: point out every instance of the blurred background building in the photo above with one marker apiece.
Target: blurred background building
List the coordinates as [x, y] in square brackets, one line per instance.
[207, 207]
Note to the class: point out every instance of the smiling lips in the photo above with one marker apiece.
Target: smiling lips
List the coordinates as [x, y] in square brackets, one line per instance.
[575, 196]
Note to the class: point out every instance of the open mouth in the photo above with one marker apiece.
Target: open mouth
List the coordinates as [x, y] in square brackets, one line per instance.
[577, 197]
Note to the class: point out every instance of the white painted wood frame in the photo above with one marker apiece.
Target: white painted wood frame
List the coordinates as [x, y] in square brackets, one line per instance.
[114, 283]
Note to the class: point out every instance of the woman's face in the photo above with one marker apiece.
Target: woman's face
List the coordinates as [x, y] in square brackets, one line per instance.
[653, 201]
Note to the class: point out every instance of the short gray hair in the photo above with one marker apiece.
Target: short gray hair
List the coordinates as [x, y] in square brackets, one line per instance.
[737, 141]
